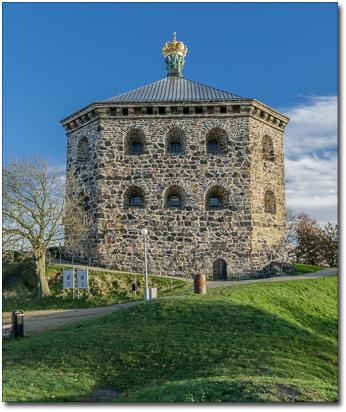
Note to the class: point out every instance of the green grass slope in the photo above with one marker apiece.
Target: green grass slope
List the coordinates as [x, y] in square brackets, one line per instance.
[106, 289]
[254, 342]
[300, 268]
[9, 266]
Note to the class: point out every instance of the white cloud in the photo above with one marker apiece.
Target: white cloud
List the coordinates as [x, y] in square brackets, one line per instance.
[311, 164]
[313, 126]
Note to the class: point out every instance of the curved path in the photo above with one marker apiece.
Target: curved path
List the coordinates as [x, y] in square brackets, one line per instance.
[321, 274]
[38, 321]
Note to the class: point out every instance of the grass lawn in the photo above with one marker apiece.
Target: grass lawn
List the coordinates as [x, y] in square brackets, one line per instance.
[107, 288]
[252, 342]
[299, 269]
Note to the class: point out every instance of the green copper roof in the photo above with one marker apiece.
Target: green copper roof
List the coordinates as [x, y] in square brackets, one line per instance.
[173, 89]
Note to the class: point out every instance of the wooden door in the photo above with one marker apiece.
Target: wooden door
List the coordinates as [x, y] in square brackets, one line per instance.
[219, 270]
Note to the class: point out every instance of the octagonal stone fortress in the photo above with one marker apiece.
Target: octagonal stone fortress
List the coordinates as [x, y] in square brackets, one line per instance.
[200, 168]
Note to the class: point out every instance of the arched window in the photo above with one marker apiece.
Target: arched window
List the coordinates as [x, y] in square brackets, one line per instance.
[216, 141]
[213, 146]
[267, 149]
[136, 147]
[175, 147]
[216, 197]
[134, 142]
[175, 141]
[83, 150]
[174, 201]
[133, 196]
[175, 197]
[269, 202]
[136, 201]
[214, 202]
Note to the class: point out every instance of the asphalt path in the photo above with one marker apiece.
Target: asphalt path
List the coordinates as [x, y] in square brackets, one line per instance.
[39, 321]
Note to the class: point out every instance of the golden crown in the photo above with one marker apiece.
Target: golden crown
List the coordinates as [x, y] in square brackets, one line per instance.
[174, 47]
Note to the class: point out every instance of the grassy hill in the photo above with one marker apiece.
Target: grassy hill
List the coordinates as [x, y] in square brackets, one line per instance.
[252, 342]
[11, 265]
[106, 289]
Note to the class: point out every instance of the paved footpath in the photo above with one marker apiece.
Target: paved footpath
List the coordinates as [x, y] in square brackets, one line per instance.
[320, 274]
[38, 321]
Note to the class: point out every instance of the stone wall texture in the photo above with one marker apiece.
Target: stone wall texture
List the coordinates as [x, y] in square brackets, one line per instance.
[245, 173]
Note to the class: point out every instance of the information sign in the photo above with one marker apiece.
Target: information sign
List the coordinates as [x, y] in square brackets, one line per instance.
[68, 279]
[82, 279]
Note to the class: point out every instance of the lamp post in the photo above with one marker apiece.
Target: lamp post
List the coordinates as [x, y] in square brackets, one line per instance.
[144, 233]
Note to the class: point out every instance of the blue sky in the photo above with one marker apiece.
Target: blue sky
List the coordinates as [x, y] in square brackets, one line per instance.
[60, 57]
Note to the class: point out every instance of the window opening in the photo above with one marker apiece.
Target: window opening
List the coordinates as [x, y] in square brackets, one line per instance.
[125, 112]
[223, 109]
[149, 110]
[214, 202]
[213, 146]
[175, 147]
[198, 110]
[162, 110]
[137, 147]
[136, 201]
[174, 201]
[186, 110]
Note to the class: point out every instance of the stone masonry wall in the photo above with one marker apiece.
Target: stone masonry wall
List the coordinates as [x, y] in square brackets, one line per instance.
[267, 178]
[180, 239]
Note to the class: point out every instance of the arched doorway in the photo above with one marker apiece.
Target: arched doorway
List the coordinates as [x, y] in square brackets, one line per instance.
[219, 270]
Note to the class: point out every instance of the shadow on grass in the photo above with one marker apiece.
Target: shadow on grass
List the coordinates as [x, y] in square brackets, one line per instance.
[178, 338]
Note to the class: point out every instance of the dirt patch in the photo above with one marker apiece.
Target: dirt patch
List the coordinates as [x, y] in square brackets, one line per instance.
[99, 394]
[289, 392]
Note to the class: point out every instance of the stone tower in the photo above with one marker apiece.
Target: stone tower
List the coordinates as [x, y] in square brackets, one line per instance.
[200, 168]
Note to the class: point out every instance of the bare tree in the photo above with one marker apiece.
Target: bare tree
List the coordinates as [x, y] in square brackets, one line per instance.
[39, 207]
[291, 237]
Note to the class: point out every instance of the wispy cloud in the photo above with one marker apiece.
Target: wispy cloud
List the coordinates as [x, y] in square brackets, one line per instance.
[313, 126]
[310, 148]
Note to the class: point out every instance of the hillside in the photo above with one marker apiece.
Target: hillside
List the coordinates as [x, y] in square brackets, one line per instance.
[255, 342]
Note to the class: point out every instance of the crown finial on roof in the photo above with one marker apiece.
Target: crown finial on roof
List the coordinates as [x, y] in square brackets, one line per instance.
[174, 53]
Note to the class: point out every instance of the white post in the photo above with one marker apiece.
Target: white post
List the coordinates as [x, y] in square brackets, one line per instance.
[145, 267]
[144, 233]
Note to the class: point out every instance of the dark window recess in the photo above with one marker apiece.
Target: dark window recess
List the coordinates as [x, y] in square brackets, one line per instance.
[136, 201]
[212, 146]
[175, 147]
[186, 110]
[236, 109]
[214, 202]
[198, 110]
[162, 110]
[125, 112]
[149, 110]
[137, 147]
[223, 109]
[174, 201]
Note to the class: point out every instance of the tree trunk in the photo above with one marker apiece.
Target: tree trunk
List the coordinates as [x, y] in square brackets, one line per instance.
[42, 284]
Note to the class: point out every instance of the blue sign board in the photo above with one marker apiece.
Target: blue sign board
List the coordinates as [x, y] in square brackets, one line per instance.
[82, 279]
[68, 279]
